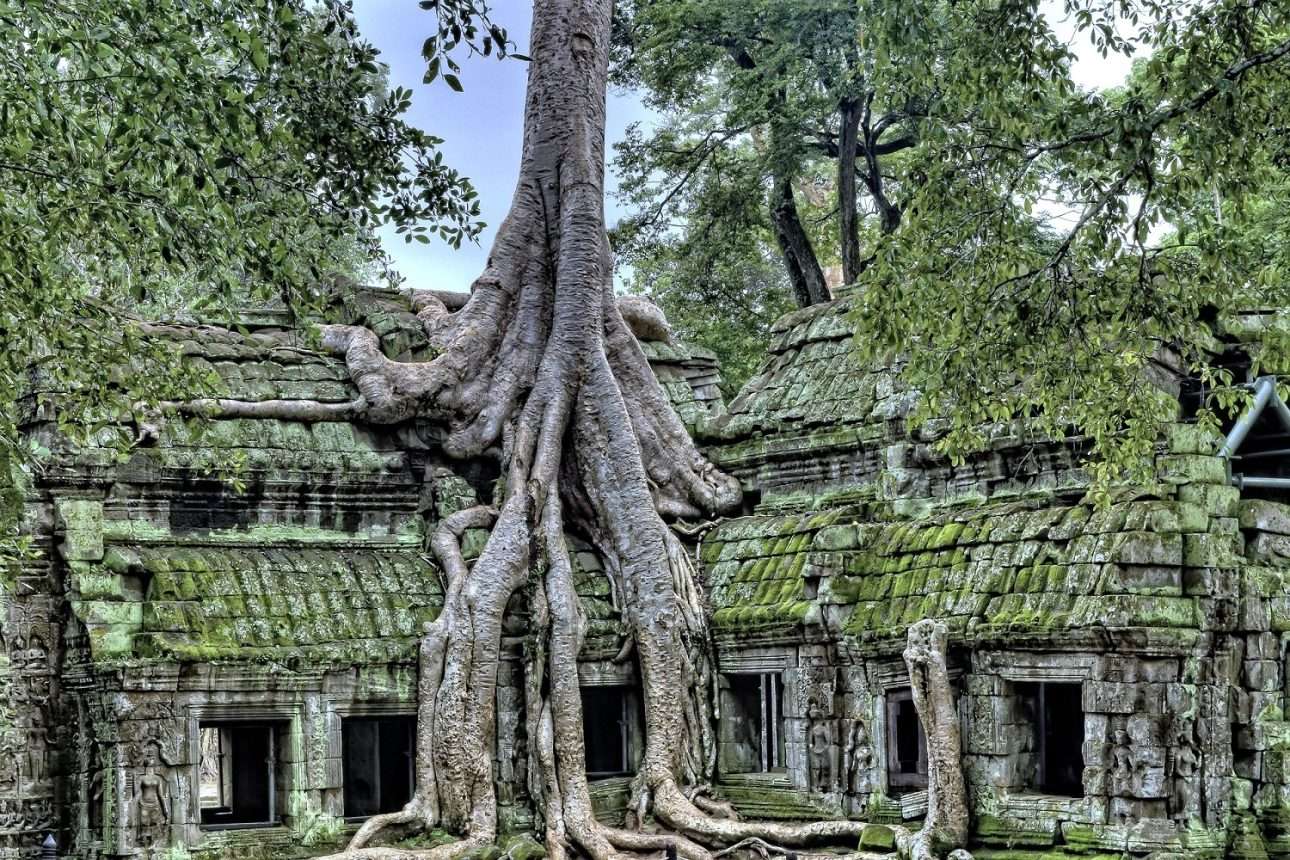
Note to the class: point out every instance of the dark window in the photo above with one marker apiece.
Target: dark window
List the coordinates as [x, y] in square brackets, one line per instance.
[752, 734]
[1056, 714]
[906, 744]
[608, 713]
[378, 758]
[237, 774]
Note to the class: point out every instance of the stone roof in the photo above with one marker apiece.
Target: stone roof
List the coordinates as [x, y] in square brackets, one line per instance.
[323, 605]
[814, 422]
[990, 569]
[755, 568]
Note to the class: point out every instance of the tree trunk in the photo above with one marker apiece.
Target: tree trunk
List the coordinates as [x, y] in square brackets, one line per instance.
[804, 272]
[849, 111]
[946, 825]
[540, 369]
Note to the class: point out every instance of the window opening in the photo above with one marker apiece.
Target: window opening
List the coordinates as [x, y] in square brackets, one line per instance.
[606, 716]
[1056, 713]
[237, 774]
[906, 743]
[752, 727]
[378, 760]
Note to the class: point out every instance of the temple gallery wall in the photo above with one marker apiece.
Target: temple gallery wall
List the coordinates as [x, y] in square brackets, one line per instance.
[190, 671]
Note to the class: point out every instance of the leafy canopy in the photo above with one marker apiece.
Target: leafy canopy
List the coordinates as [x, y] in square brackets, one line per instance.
[191, 153]
[1055, 247]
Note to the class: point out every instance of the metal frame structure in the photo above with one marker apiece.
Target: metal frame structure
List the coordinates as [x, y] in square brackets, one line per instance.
[1265, 395]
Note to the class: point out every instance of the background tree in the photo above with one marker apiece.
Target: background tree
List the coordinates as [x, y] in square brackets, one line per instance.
[797, 86]
[1132, 265]
[1024, 260]
[715, 274]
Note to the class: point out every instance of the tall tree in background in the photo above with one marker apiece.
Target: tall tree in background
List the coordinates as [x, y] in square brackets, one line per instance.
[794, 85]
[716, 274]
[1017, 248]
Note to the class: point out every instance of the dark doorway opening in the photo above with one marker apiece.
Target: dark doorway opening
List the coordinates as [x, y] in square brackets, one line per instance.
[238, 774]
[608, 714]
[752, 724]
[378, 764]
[906, 744]
[1056, 713]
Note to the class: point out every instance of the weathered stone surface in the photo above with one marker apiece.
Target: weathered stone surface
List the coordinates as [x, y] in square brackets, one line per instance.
[300, 603]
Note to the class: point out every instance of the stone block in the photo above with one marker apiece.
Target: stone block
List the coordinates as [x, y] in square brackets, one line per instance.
[1261, 675]
[877, 837]
[1152, 783]
[1212, 550]
[1276, 766]
[93, 612]
[1268, 548]
[835, 538]
[1143, 579]
[1262, 646]
[1146, 736]
[1210, 582]
[1263, 515]
[80, 522]
[1166, 517]
[1253, 614]
[1223, 526]
[1105, 697]
[1191, 439]
[1217, 615]
[1217, 500]
[1191, 469]
[1148, 548]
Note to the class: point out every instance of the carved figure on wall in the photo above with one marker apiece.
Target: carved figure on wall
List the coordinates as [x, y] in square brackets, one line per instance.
[1181, 765]
[859, 755]
[821, 749]
[17, 652]
[151, 812]
[36, 657]
[37, 747]
[1123, 767]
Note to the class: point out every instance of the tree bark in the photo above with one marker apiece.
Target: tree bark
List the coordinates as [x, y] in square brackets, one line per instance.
[804, 272]
[849, 111]
[947, 822]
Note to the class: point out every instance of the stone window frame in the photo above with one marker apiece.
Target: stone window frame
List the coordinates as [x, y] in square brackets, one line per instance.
[1014, 667]
[607, 673]
[888, 676]
[349, 709]
[904, 782]
[781, 661]
[280, 715]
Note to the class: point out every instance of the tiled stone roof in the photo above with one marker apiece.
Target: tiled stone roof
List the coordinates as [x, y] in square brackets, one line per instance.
[755, 568]
[323, 605]
[1007, 567]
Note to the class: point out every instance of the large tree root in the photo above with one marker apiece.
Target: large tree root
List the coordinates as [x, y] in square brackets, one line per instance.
[539, 368]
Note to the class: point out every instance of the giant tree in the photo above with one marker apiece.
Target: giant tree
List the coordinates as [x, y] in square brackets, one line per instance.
[1028, 268]
[540, 369]
[842, 87]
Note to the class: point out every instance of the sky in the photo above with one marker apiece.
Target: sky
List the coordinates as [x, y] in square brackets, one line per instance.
[482, 126]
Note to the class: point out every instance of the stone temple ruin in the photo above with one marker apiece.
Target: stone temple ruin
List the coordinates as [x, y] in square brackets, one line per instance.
[192, 671]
